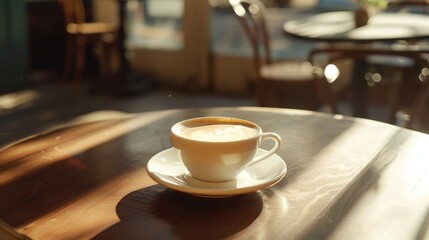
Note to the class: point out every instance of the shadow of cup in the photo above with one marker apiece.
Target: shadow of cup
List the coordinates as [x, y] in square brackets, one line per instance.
[156, 212]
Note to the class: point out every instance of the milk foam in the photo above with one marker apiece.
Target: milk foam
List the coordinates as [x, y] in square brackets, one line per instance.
[219, 132]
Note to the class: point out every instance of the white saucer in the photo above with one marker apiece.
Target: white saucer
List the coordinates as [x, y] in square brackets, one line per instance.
[166, 169]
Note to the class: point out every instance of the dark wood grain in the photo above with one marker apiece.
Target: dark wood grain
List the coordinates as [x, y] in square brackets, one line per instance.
[347, 178]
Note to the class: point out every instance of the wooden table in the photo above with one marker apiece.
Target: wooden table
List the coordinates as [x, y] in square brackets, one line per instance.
[347, 178]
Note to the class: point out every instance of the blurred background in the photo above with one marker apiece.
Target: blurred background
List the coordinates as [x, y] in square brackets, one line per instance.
[171, 54]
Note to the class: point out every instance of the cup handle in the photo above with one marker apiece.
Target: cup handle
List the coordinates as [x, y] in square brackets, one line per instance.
[277, 141]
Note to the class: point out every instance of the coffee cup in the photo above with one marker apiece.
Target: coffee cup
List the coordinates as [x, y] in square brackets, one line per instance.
[217, 149]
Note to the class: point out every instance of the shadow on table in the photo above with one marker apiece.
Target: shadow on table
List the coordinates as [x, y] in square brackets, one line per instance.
[155, 212]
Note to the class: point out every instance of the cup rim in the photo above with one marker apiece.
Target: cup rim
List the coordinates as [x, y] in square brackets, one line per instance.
[208, 119]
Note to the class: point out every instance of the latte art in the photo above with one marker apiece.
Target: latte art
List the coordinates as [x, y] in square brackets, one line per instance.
[217, 149]
[219, 132]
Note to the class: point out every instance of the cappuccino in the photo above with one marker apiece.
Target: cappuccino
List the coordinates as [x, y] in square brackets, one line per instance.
[217, 149]
[218, 132]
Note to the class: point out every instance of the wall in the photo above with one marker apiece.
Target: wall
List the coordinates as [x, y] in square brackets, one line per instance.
[13, 42]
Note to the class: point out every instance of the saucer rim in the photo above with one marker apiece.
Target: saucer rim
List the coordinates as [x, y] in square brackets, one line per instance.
[216, 193]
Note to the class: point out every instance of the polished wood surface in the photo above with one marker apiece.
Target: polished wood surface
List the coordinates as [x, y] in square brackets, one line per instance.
[347, 178]
[340, 26]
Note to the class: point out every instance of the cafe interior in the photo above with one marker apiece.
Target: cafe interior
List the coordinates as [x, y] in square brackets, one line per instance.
[344, 82]
[147, 55]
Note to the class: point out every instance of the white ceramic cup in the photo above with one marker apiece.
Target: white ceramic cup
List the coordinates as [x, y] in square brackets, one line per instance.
[217, 149]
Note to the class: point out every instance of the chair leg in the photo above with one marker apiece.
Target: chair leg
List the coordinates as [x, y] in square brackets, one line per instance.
[398, 90]
[393, 101]
[115, 56]
[68, 58]
[393, 105]
[79, 63]
[418, 105]
[325, 94]
[110, 58]
[104, 58]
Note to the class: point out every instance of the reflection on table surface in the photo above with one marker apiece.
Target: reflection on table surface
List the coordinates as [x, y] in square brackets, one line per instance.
[347, 178]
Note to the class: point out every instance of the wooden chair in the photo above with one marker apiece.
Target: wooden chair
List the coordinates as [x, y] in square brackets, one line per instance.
[409, 93]
[78, 34]
[293, 79]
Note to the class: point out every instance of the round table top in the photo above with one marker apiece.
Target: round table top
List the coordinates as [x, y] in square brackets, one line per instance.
[340, 26]
[346, 178]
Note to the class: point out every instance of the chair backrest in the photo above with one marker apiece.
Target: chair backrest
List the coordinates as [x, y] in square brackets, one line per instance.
[251, 14]
[74, 11]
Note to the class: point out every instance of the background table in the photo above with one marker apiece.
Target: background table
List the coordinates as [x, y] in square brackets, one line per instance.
[340, 27]
[334, 27]
[347, 178]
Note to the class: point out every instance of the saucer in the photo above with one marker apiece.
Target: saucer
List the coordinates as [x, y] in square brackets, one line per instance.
[168, 170]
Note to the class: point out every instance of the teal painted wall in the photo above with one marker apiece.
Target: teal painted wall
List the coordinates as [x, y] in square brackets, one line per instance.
[13, 42]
